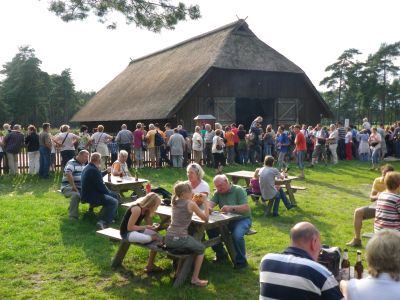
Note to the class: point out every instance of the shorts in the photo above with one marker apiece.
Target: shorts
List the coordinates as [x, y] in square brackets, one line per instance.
[187, 242]
[369, 213]
[138, 153]
[152, 153]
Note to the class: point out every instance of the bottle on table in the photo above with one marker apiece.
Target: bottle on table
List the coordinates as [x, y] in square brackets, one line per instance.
[109, 176]
[148, 187]
[358, 267]
[136, 175]
[121, 175]
[345, 266]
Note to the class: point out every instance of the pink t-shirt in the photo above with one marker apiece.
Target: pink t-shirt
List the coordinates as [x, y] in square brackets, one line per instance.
[137, 138]
[255, 186]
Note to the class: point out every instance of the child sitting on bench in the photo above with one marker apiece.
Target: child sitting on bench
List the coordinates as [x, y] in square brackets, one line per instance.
[254, 187]
[177, 236]
[130, 229]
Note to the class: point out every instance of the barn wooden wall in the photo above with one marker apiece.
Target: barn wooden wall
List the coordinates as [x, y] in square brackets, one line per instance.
[250, 84]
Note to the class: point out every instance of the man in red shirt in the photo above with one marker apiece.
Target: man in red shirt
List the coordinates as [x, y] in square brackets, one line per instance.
[300, 150]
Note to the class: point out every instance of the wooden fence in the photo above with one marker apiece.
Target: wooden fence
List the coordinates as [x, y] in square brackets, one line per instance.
[23, 165]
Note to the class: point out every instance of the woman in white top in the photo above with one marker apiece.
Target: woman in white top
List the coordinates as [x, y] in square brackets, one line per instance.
[99, 141]
[195, 175]
[374, 141]
[197, 145]
[382, 254]
[218, 149]
[65, 140]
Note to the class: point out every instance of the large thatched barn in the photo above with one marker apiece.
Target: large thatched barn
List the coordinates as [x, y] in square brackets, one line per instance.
[227, 72]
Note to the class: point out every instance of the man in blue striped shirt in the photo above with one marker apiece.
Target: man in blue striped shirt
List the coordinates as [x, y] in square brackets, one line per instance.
[295, 273]
[71, 181]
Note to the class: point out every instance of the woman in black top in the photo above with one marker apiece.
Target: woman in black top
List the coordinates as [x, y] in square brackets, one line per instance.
[32, 143]
[130, 229]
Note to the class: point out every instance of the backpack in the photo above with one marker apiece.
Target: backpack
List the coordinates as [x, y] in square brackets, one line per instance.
[158, 139]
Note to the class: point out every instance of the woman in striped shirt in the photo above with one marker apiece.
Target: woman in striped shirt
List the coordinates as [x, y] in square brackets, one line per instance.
[387, 214]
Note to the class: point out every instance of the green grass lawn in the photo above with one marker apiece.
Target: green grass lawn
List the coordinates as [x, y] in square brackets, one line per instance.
[45, 255]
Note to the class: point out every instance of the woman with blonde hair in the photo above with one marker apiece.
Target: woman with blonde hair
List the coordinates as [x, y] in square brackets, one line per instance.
[99, 141]
[382, 254]
[131, 230]
[177, 233]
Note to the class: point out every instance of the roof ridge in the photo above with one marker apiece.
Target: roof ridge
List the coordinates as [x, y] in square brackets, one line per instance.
[235, 24]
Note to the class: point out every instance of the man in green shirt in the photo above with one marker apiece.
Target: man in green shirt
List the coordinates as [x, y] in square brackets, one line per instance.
[231, 199]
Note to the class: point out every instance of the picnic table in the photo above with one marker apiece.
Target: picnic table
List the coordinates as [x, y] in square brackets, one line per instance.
[286, 182]
[127, 183]
[216, 220]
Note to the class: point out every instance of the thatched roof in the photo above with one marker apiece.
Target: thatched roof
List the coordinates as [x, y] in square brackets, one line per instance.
[152, 86]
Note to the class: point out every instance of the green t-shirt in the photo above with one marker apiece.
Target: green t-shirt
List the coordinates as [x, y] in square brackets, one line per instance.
[236, 196]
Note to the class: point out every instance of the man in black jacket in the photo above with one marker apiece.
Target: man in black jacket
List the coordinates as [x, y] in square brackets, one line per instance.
[95, 192]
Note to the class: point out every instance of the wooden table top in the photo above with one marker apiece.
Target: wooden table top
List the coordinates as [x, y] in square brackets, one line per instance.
[214, 217]
[126, 181]
[250, 174]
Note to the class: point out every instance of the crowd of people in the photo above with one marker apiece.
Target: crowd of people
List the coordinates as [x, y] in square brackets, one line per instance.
[213, 147]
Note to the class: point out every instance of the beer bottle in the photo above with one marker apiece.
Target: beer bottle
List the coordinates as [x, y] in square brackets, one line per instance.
[358, 267]
[345, 266]
[136, 175]
[109, 176]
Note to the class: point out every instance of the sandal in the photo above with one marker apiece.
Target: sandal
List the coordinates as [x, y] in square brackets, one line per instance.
[200, 283]
[153, 269]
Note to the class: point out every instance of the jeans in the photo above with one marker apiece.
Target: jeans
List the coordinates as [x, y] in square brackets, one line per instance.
[230, 152]
[397, 148]
[364, 156]
[375, 155]
[208, 157]
[243, 156]
[177, 161]
[300, 159]
[109, 210]
[238, 229]
[341, 150]
[280, 195]
[281, 160]
[267, 149]
[44, 161]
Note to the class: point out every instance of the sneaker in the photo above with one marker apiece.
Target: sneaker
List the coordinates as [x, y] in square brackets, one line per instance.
[241, 266]
[220, 259]
[354, 243]
[101, 225]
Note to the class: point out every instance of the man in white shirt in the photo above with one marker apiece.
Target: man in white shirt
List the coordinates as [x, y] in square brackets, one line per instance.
[197, 145]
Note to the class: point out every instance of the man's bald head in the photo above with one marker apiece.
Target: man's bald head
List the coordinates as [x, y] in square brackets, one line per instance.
[305, 235]
[95, 158]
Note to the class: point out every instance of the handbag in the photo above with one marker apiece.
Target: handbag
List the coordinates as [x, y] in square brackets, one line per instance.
[144, 145]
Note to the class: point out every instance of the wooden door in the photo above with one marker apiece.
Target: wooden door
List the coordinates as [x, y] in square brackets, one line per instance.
[225, 110]
[287, 111]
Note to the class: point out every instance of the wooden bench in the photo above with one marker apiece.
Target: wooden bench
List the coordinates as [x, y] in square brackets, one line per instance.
[367, 235]
[295, 188]
[267, 206]
[179, 259]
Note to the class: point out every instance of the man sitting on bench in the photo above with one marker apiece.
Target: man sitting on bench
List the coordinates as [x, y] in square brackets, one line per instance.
[268, 188]
[95, 192]
[71, 182]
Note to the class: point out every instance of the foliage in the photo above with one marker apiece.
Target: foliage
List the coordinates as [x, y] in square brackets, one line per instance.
[44, 255]
[358, 89]
[29, 95]
[152, 15]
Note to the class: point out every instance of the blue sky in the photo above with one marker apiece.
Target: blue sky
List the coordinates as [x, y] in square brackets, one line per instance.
[311, 33]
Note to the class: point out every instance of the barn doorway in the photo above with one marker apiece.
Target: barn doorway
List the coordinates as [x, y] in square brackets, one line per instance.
[247, 109]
